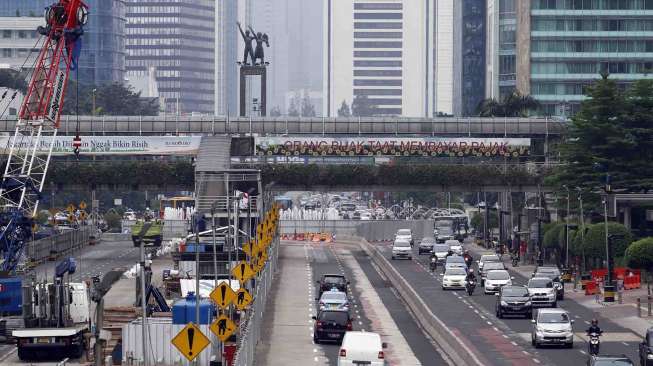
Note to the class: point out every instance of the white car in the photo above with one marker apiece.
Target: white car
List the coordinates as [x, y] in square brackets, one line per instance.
[405, 234]
[426, 245]
[361, 348]
[487, 258]
[454, 278]
[455, 246]
[334, 300]
[553, 327]
[365, 215]
[495, 279]
[542, 292]
[402, 249]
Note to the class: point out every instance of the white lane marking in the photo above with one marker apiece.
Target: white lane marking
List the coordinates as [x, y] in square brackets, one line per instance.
[503, 335]
[524, 352]
[583, 352]
[489, 323]
[495, 329]
[576, 316]
[586, 322]
[514, 343]
[624, 343]
[536, 360]
[316, 359]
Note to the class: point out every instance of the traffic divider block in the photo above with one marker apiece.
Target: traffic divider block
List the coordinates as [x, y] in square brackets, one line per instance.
[591, 288]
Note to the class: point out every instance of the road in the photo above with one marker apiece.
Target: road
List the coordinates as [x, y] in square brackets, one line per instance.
[375, 307]
[505, 341]
[91, 261]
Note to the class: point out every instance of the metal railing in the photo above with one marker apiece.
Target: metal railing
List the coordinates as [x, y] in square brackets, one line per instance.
[250, 326]
[209, 125]
[171, 228]
[204, 204]
[58, 245]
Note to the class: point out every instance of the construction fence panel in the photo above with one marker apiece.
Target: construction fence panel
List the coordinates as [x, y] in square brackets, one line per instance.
[171, 228]
[372, 230]
[58, 245]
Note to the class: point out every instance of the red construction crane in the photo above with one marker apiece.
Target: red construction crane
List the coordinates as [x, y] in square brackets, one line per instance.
[29, 151]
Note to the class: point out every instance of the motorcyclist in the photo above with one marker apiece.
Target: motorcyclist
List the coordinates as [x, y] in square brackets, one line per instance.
[468, 258]
[471, 277]
[594, 328]
[450, 253]
[433, 261]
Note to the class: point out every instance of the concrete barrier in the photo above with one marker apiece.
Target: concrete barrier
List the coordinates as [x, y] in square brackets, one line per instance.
[455, 350]
[372, 230]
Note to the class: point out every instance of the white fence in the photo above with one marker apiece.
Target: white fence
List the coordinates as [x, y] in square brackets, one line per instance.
[58, 245]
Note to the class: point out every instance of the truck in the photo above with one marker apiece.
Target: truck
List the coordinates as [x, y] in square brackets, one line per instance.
[147, 232]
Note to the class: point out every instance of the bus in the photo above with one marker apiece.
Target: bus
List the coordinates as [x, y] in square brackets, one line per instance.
[284, 202]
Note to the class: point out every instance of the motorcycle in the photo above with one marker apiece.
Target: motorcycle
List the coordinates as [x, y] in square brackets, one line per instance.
[594, 343]
[470, 286]
[433, 264]
[515, 261]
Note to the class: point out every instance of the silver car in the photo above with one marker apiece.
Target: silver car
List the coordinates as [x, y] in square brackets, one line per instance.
[426, 245]
[402, 249]
[552, 327]
[333, 300]
[542, 292]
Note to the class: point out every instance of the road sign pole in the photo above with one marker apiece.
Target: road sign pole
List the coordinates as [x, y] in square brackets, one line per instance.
[143, 304]
[197, 276]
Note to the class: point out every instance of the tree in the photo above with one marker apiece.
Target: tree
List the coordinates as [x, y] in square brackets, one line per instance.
[612, 130]
[478, 218]
[344, 110]
[13, 79]
[594, 241]
[639, 255]
[512, 105]
[113, 220]
[308, 109]
[552, 237]
[110, 99]
[275, 112]
[362, 106]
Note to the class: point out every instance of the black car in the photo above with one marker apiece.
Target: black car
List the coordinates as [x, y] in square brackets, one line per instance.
[513, 300]
[554, 274]
[646, 349]
[331, 281]
[610, 360]
[331, 325]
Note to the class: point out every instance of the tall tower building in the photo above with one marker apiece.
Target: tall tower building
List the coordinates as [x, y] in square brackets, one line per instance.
[177, 39]
[103, 53]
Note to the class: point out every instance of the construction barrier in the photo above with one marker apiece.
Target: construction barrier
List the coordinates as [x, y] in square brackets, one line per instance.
[599, 274]
[591, 288]
[632, 282]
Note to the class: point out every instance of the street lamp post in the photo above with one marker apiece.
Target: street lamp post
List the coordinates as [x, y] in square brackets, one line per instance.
[93, 98]
[567, 229]
[582, 222]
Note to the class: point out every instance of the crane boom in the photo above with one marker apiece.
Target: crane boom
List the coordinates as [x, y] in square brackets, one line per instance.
[29, 152]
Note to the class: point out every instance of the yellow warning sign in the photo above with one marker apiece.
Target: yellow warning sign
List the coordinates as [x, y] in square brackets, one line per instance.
[243, 299]
[83, 215]
[82, 205]
[223, 295]
[70, 208]
[223, 327]
[190, 341]
[250, 248]
[243, 272]
[262, 256]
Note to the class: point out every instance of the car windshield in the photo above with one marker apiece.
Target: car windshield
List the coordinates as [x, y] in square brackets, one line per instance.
[340, 296]
[514, 292]
[549, 275]
[340, 317]
[489, 258]
[553, 318]
[455, 272]
[498, 275]
[612, 362]
[549, 270]
[403, 232]
[441, 248]
[492, 265]
[540, 283]
[402, 244]
[455, 259]
[428, 240]
[334, 280]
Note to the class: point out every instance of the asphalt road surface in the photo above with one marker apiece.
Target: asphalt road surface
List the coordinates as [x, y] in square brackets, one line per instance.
[505, 341]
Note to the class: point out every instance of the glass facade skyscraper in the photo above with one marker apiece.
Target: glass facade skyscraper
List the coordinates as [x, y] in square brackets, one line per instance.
[573, 41]
[177, 38]
[103, 55]
[472, 48]
[507, 64]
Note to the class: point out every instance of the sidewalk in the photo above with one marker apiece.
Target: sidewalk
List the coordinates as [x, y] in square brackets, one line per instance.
[624, 314]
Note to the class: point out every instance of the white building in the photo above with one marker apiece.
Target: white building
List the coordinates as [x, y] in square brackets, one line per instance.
[396, 53]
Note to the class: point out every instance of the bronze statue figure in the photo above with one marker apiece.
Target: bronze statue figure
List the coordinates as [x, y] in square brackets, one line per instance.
[248, 38]
[259, 54]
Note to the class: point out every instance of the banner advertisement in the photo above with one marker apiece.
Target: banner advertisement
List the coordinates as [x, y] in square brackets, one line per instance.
[118, 145]
[409, 147]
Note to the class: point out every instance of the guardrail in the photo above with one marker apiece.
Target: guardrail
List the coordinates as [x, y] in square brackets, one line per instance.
[250, 328]
[372, 230]
[55, 246]
[457, 352]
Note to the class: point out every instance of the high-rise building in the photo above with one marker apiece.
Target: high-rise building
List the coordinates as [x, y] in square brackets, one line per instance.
[18, 40]
[177, 39]
[560, 47]
[405, 57]
[103, 52]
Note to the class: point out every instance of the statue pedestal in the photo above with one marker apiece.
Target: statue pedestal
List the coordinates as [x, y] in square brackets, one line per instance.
[253, 70]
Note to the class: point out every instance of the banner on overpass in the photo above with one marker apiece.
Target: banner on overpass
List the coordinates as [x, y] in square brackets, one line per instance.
[120, 145]
[422, 147]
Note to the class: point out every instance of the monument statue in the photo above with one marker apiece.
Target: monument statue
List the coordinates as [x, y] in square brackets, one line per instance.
[259, 54]
[248, 38]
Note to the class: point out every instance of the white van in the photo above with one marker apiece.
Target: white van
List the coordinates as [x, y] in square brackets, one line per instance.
[361, 348]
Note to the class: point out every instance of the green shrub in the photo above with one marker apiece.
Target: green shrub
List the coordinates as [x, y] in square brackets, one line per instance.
[639, 254]
[594, 243]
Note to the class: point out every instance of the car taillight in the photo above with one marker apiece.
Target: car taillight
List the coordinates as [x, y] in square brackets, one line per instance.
[381, 355]
[318, 324]
[343, 352]
[349, 326]
[321, 304]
